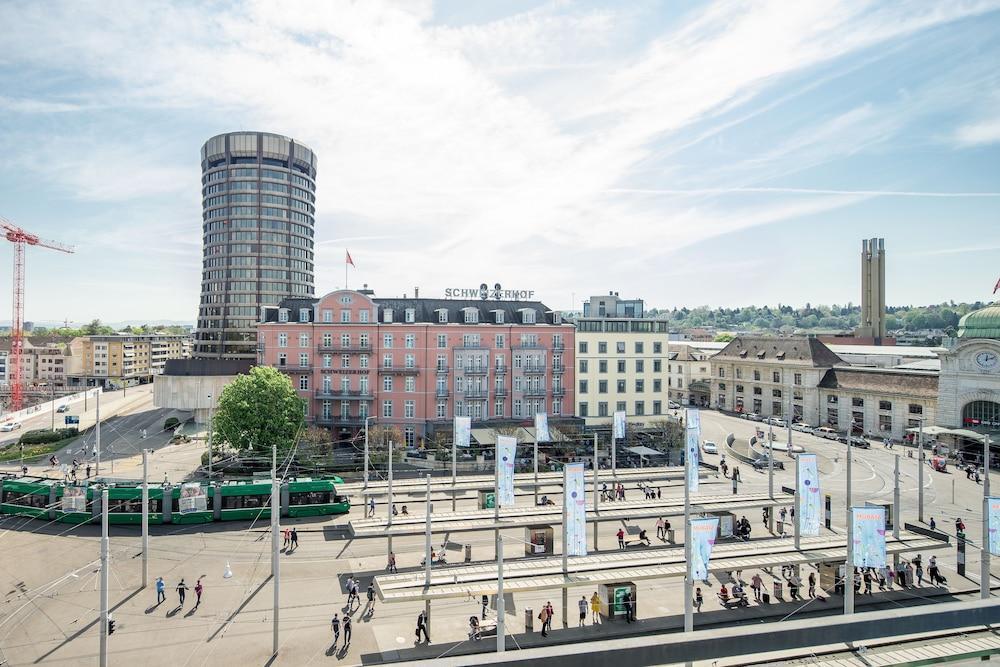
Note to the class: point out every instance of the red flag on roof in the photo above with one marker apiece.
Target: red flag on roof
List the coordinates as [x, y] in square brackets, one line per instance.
[349, 260]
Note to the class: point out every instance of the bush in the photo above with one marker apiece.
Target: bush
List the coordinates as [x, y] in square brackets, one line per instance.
[171, 422]
[43, 436]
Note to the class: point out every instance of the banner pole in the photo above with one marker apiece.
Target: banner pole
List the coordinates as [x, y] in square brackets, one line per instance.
[984, 558]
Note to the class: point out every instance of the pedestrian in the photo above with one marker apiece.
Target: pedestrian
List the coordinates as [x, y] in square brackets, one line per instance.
[659, 528]
[371, 506]
[756, 583]
[181, 591]
[932, 570]
[371, 599]
[959, 525]
[920, 575]
[295, 539]
[621, 539]
[88, 471]
[422, 628]
[933, 524]
[582, 604]
[659, 493]
[604, 490]
[391, 566]
[335, 625]
[629, 607]
[698, 599]
[198, 589]
[161, 591]
[551, 614]
[347, 631]
[395, 512]
[595, 608]
[286, 535]
[812, 584]
[782, 514]
[868, 581]
[543, 616]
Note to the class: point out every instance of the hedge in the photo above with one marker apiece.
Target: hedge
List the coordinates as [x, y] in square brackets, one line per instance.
[43, 435]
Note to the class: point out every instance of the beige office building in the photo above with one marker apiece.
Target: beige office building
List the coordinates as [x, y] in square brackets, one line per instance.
[120, 360]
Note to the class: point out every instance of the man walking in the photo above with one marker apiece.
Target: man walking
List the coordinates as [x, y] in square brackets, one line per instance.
[543, 616]
[756, 583]
[181, 591]
[582, 604]
[295, 540]
[371, 506]
[335, 624]
[161, 591]
[391, 567]
[422, 628]
[347, 631]
[371, 599]
[621, 539]
[659, 528]
[198, 589]
[287, 537]
[595, 608]
[629, 608]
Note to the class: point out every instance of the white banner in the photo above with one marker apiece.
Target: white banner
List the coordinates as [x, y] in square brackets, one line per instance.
[463, 431]
[702, 533]
[193, 498]
[74, 499]
[869, 536]
[619, 433]
[809, 497]
[506, 451]
[692, 448]
[693, 419]
[542, 427]
[575, 498]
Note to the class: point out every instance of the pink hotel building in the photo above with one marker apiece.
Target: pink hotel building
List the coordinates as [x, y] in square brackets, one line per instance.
[417, 363]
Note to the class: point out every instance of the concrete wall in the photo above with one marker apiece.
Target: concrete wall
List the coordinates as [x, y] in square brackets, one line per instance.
[189, 392]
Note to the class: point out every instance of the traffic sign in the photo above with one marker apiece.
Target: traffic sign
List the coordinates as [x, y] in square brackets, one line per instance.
[71, 419]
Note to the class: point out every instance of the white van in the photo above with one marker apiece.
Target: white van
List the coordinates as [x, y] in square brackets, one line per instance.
[826, 432]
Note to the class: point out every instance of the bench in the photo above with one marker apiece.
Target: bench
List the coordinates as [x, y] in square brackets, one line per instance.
[733, 602]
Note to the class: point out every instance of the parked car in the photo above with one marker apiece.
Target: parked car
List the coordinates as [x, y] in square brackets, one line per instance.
[802, 427]
[858, 441]
[673, 405]
[762, 464]
[775, 421]
[754, 417]
[63, 408]
[826, 432]
[10, 426]
[710, 447]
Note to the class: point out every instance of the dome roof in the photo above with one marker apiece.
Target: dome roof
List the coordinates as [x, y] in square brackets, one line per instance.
[982, 323]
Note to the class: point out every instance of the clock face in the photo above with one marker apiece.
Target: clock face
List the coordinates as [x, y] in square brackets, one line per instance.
[987, 360]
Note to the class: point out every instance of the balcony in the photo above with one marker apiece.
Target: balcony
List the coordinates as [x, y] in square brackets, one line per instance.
[399, 370]
[475, 394]
[534, 369]
[471, 346]
[500, 392]
[558, 368]
[342, 394]
[526, 346]
[293, 368]
[479, 370]
[535, 391]
[559, 391]
[333, 420]
[441, 369]
[558, 345]
[345, 348]
[500, 370]
[441, 393]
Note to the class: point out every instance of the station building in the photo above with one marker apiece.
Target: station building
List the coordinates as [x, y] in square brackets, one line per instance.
[416, 363]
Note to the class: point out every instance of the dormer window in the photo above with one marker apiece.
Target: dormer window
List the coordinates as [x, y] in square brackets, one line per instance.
[556, 318]
[442, 315]
[303, 314]
[282, 314]
[527, 316]
[387, 316]
[471, 315]
[411, 315]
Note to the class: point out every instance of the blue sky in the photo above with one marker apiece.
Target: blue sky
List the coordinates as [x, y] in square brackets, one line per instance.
[690, 153]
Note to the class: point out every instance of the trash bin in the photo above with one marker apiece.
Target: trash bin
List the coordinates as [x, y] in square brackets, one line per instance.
[529, 620]
[671, 538]
[779, 527]
[778, 595]
[468, 553]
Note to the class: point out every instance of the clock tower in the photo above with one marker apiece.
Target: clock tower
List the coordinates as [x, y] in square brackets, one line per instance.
[969, 384]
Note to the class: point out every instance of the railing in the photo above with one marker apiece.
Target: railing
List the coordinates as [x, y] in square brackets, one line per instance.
[340, 393]
[334, 420]
[471, 346]
[476, 393]
[500, 370]
[534, 369]
[558, 368]
[534, 392]
[399, 370]
[500, 392]
[441, 393]
[479, 370]
[558, 346]
[441, 369]
[559, 391]
[294, 367]
[526, 346]
[344, 348]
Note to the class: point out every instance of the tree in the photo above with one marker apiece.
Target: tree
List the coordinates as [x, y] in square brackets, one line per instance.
[723, 337]
[259, 410]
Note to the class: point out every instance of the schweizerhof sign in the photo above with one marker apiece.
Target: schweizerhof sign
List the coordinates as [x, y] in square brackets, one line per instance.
[485, 292]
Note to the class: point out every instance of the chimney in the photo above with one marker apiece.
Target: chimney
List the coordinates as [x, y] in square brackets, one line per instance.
[416, 292]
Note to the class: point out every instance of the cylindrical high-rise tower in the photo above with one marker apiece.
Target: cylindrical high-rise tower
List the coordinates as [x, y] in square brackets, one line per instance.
[258, 212]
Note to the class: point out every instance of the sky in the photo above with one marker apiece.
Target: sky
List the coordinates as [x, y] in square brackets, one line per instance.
[688, 153]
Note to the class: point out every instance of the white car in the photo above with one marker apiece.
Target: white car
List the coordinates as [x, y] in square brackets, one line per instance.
[10, 426]
[710, 447]
[774, 421]
[803, 427]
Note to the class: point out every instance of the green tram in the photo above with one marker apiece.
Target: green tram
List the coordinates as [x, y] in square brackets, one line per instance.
[190, 503]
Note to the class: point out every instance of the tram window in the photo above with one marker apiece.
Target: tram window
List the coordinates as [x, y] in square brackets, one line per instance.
[125, 506]
[310, 498]
[25, 499]
[245, 502]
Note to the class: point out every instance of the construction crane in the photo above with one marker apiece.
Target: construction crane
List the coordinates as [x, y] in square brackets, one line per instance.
[19, 238]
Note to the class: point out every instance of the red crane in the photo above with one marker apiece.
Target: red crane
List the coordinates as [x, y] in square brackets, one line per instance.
[19, 237]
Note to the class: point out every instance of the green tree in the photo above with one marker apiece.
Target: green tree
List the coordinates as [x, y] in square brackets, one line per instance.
[723, 337]
[259, 410]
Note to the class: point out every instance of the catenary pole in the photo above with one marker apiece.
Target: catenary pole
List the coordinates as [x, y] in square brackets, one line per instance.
[105, 566]
[565, 554]
[427, 554]
[770, 477]
[97, 442]
[367, 419]
[501, 605]
[145, 518]
[688, 581]
[536, 468]
[984, 559]
[597, 494]
[454, 472]
[920, 471]
[210, 438]
[849, 564]
[389, 506]
[275, 563]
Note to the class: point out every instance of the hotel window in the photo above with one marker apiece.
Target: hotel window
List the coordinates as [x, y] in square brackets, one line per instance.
[410, 341]
[303, 314]
[363, 388]
[657, 408]
[363, 361]
[638, 348]
[498, 316]
[499, 361]
[583, 410]
[442, 362]
[528, 316]
[410, 361]
[602, 409]
[517, 407]
[442, 410]
[303, 382]
[640, 386]
[517, 383]
[327, 316]
[916, 409]
[386, 361]
[602, 347]
[621, 365]
[640, 408]
[657, 349]
[387, 315]
[410, 384]
[386, 408]
[282, 314]
[471, 316]
[459, 362]
[583, 347]
[756, 376]
[620, 406]
[657, 366]
[498, 408]
[387, 383]
[410, 315]
[345, 316]
[798, 378]
[363, 316]
[363, 340]
[282, 340]
[557, 407]
[602, 386]
[620, 387]
[443, 316]
[409, 409]
[657, 386]
[387, 340]
[442, 341]
[722, 372]
[409, 437]
[640, 366]
[303, 340]
[517, 361]
[602, 366]
[303, 359]
[498, 341]
[620, 347]
[345, 340]
[345, 361]
[327, 340]
[282, 359]
[345, 384]
[583, 386]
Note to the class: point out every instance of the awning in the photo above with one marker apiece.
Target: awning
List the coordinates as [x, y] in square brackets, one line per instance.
[644, 451]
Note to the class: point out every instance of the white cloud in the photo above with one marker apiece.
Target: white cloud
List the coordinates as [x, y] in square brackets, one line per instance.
[978, 134]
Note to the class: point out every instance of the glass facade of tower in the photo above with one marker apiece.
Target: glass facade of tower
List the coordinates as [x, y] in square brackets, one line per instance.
[258, 213]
